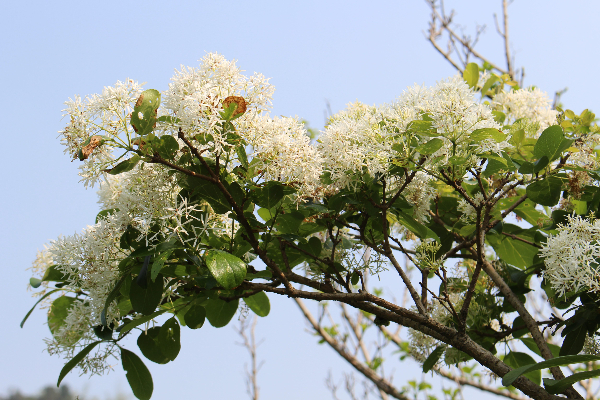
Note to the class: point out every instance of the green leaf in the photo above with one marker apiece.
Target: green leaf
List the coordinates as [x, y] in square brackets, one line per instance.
[514, 252]
[143, 117]
[516, 359]
[36, 303]
[35, 282]
[59, 311]
[169, 120]
[211, 193]
[53, 274]
[529, 213]
[105, 213]
[534, 168]
[145, 300]
[195, 316]
[488, 84]
[499, 116]
[259, 303]
[556, 387]
[530, 343]
[76, 360]
[574, 341]
[551, 143]
[228, 270]
[103, 332]
[220, 312]
[545, 192]
[139, 321]
[124, 166]
[471, 75]
[430, 147]
[242, 157]
[509, 378]
[167, 146]
[111, 296]
[138, 376]
[289, 222]
[416, 227]
[433, 358]
[269, 195]
[412, 225]
[479, 135]
[169, 338]
[159, 263]
[147, 342]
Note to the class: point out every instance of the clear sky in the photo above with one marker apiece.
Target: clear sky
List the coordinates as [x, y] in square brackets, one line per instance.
[314, 51]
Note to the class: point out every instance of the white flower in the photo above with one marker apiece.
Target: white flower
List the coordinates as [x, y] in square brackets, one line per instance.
[532, 104]
[419, 193]
[362, 137]
[195, 96]
[571, 256]
[104, 114]
[469, 213]
[284, 153]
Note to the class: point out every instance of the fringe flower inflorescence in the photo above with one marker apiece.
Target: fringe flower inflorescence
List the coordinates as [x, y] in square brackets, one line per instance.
[532, 104]
[571, 256]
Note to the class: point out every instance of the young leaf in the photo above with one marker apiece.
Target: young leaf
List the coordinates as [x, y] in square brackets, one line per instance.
[471, 75]
[488, 84]
[430, 147]
[228, 270]
[259, 303]
[137, 374]
[75, 360]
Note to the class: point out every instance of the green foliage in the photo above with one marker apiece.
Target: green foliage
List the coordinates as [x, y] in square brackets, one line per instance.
[259, 303]
[228, 270]
[516, 360]
[143, 117]
[137, 374]
[220, 312]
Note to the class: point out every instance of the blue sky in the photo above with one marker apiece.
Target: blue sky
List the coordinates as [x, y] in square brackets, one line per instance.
[314, 51]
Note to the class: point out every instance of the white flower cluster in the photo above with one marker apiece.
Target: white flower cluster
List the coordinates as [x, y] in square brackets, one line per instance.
[361, 137]
[571, 256]
[90, 259]
[468, 211]
[284, 153]
[532, 104]
[105, 114]
[195, 96]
